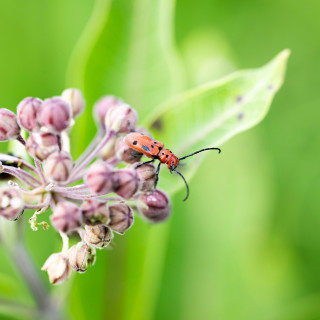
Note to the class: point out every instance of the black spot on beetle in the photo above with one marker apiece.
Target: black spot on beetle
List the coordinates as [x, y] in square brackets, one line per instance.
[160, 148]
[155, 142]
[166, 155]
[135, 143]
[145, 148]
[152, 146]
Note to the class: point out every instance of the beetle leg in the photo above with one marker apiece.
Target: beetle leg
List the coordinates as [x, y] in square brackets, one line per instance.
[139, 165]
[157, 174]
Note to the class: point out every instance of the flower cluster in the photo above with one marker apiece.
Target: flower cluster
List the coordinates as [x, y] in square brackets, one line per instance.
[93, 196]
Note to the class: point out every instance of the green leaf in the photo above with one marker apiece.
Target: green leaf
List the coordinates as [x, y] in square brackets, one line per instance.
[211, 114]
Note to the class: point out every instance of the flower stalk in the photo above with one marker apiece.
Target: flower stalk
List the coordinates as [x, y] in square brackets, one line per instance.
[104, 196]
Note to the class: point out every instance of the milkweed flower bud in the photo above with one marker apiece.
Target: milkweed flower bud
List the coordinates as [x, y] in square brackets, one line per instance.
[109, 150]
[121, 118]
[55, 114]
[125, 183]
[27, 112]
[147, 175]
[154, 206]
[66, 216]
[121, 217]
[58, 268]
[11, 203]
[9, 128]
[75, 98]
[81, 256]
[99, 178]
[42, 144]
[98, 236]
[127, 154]
[57, 166]
[103, 105]
[94, 212]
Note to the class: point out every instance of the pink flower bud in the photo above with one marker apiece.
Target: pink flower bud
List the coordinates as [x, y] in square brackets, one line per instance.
[103, 105]
[27, 112]
[127, 154]
[57, 267]
[109, 150]
[9, 128]
[81, 256]
[55, 114]
[143, 131]
[75, 98]
[42, 144]
[57, 166]
[11, 203]
[121, 217]
[121, 118]
[125, 183]
[99, 178]
[147, 175]
[66, 216]
[154, 206]
[94, 212]
[98, 236]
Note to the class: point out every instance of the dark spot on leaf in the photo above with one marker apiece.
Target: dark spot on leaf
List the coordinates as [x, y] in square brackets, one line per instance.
[145, 148]
[240, 116]
[239, 99]
[270, 87]
[157, 125]
[135, 143]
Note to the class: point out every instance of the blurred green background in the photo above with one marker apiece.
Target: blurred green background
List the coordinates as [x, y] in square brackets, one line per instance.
[246, 244]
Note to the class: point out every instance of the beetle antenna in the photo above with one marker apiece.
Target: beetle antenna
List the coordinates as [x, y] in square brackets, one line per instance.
[192, 154]
[186, 183]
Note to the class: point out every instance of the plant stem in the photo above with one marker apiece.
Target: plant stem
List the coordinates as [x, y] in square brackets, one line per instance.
[91, 146]
[22, 260]
[39, 171]
[6, 157]
[21, 175]
[93, 154]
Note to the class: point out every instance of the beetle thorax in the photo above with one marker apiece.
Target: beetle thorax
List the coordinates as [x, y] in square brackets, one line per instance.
[167, 157]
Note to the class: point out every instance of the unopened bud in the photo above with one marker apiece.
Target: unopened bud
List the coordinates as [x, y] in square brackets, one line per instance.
[42, 144]
[125, 183]
[11, 203]
[81, 256]
[58, 268]
[103, 105]
[66, 217]
[154, 206]
[55, 114]
[75, 98]
[99, 178]
[109, 150]
[147, 175]
[57, 166]
[27, 112]
[121, 118]
[94, 212]
[127, 154]
[9, 128]
[98, 236]
[121, 217]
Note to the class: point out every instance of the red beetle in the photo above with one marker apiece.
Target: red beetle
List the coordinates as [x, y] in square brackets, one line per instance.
[155, 150]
